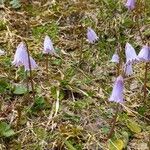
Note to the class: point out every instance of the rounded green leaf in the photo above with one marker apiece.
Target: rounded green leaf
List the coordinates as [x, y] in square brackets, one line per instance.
[133, 126]
[19, 90]
[116, 144]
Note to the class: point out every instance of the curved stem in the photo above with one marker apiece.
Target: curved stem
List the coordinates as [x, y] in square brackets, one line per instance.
[113, 122]
[30, 70]
[145, 81]
[27, 81]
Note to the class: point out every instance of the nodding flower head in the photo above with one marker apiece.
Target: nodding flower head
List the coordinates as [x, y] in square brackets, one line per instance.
[21, 57]
[130, 4]
[48, 46]
[115, 58]
[144, 54]
[33, 64]
[91, 35]
[117, 92]
[131, 55]
[128, 69]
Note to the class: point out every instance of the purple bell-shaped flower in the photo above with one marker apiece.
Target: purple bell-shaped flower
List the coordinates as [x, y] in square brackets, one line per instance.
[130, 4]
[48, 46]
[117, 92]
[115, 58]
[130, 53]
[144, 54]
[21, 58]
[91, 36]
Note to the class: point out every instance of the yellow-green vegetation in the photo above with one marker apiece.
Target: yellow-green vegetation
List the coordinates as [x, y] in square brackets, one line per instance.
[71, 110]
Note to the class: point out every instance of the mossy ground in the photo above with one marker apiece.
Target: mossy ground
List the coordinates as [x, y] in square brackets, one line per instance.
[80, 79]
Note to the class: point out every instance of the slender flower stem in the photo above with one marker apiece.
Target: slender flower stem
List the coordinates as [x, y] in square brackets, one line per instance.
[30, 70]
[27, 81]
[113, 122]
[117, 107]
[145, 81]
[118, 69]
[47, 65]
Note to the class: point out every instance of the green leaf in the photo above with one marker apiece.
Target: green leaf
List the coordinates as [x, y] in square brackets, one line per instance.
[142, 109]
[5, 130]
[9, 133]
[3, 85]
[54, 93]
[2, 23]
[116, 144]
[125, 138]
[105, 130]
[69, 145]
[39, 104]
[40, 132]
[133, 126]
[71, 117]
[15, 3]
[2, 2]
[147, 32]
[19, 90]
[57, 62]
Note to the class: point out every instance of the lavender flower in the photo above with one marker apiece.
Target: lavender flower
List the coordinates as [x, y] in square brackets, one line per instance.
[130, 4]
[91, 35]
[144, 54]
[128, 69]
[131, 55]
[117, 92]
[33, 64]
[48, 46]
[21, 58]
[115, 58]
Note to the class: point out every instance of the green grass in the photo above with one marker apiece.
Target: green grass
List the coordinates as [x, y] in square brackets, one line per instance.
[80, 80]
